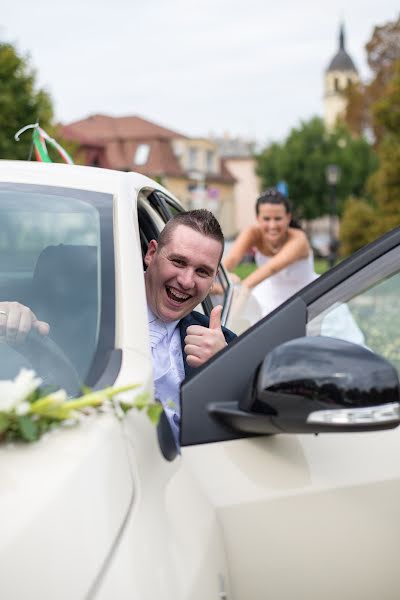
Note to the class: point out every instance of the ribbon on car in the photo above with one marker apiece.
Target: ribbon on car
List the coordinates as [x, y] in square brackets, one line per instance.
[40, 137]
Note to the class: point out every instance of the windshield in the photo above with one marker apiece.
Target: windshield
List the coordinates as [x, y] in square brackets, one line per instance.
[56, 257]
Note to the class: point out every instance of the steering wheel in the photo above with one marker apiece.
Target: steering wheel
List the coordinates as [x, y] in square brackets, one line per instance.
[49, 362]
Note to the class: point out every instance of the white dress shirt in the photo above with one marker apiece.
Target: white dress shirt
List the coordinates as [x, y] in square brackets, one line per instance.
[168, 367]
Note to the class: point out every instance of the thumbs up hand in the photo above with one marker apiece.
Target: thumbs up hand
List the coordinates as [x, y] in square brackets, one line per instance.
[201, 343]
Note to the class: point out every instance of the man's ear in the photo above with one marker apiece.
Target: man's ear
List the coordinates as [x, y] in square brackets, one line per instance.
[151, 250]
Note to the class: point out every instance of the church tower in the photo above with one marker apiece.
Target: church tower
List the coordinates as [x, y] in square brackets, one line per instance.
[339, 74]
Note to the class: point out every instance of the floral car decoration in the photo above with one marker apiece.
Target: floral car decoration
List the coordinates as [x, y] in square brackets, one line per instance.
[27, 411]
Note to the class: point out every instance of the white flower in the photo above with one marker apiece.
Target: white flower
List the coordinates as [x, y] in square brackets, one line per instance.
[27, 382]
[7, 395]
[22, 408]
[14, 393]
[58, 397]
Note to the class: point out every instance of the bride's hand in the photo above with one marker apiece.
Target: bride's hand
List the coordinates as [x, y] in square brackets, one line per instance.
[240, 298]
[235, 279]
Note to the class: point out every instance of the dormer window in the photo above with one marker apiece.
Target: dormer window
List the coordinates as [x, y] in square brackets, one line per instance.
[141, 154]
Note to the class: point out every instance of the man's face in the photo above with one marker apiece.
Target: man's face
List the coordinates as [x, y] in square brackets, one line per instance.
[180, 274]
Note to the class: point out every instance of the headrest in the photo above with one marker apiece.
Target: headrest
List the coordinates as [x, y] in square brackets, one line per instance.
[66, 269]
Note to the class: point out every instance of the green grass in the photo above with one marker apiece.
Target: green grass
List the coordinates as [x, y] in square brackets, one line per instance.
[244, 269]
[320, 266]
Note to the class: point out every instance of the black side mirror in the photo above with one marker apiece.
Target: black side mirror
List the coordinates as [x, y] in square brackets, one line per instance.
[313, 385]
[326, 384]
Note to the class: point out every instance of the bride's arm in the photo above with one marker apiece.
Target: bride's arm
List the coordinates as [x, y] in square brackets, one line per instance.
[296, 248]
[243, 243]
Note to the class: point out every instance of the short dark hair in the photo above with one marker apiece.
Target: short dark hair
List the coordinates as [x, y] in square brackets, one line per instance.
[201, 220]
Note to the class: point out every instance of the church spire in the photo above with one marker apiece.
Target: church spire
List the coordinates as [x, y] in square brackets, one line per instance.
[340, 73]
[341, 37]
[341, 61]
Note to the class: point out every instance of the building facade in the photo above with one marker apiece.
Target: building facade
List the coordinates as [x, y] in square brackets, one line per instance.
[191, 168]
[239, 157]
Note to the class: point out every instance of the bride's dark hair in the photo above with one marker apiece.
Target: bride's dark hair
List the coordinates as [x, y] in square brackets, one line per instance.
[272, 196]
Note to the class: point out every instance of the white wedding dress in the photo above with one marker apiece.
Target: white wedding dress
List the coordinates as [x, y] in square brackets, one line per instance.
[277, 288]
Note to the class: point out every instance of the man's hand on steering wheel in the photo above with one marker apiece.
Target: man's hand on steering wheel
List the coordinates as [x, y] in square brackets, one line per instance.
[17, 320]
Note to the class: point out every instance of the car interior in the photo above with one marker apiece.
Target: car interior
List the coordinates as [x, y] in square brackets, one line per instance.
[63, 291]
[65, 294]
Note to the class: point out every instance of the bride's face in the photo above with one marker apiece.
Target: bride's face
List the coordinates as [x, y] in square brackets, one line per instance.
[274, 222]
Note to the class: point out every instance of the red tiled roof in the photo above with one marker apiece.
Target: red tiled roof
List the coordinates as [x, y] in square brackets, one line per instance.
[161, 159]
[226, 175]
[111, 142]
[118, 139]
[104, 128]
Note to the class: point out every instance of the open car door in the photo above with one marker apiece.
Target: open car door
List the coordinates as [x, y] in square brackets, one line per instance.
[294, 507]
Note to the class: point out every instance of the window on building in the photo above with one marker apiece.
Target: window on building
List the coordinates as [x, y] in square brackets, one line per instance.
[336, 84]
[209, 161]
[192, 158]
[141, 154]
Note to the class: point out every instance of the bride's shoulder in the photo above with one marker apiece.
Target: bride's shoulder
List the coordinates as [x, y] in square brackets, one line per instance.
[298, 237]
[297, 234]
[256, 233]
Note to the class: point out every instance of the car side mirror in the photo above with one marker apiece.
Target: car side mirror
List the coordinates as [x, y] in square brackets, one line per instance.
[326, 384]
[317, 384]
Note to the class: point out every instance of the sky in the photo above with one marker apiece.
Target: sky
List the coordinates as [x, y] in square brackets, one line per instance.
[201, 67]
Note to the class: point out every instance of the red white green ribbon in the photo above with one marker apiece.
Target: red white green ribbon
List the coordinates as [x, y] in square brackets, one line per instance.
[40, 137]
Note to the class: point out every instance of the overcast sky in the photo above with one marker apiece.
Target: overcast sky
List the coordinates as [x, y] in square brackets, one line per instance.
[252, 68]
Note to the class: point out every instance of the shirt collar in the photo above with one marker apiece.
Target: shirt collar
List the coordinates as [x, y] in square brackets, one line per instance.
[170, 325]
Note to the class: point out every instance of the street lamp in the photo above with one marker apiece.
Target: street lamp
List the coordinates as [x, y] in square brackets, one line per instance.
[332, 174]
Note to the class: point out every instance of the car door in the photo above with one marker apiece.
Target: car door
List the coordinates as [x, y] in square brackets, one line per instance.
[63, 498]
[304, 516]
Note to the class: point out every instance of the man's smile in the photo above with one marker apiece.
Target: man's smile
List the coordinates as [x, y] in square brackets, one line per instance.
[176, 295]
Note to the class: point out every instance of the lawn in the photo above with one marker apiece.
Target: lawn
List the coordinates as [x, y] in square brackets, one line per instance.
[245, 269]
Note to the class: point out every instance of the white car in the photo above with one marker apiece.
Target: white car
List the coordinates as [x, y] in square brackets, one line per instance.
[255, 506]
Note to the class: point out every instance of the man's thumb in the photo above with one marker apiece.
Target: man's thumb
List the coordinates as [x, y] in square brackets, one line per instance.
[215, 317]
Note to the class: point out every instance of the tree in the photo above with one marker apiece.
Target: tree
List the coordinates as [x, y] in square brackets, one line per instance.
[386, 111]
[384, 184]
[383, 49]
[301, 161]
[20, 103]
[358, 218]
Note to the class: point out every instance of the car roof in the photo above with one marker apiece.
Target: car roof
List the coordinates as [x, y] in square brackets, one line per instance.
[72, 176]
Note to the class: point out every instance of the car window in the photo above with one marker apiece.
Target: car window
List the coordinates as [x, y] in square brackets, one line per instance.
[164, 206]
[172, 205]
[363, 309]
[52, 245]
[223, 295]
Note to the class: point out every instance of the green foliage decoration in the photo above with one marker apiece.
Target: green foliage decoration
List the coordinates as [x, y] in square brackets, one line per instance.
[27, 411]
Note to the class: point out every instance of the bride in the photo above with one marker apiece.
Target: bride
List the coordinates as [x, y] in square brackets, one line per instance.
[283, 254]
